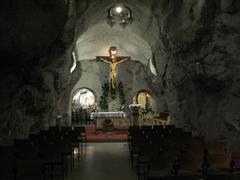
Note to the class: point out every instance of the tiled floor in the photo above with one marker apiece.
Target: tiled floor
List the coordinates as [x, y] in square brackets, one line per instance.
[104, 161]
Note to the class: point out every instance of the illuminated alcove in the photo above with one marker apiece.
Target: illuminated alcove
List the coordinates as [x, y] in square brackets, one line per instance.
[83, 103]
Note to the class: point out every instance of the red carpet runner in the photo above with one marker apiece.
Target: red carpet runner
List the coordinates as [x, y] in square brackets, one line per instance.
[120, 133]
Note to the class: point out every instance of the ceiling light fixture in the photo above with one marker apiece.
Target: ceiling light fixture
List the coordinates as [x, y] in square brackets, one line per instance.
[119, 14]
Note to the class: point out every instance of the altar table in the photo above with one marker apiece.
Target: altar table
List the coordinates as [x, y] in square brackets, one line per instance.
[108, 115]
[117, 118]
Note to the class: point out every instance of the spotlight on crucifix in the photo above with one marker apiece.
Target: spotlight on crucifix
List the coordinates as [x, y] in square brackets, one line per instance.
[119, 14]
[113, 60]
[113, 52]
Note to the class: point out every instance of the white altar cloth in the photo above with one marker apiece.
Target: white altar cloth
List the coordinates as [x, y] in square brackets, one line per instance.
[119, 114]
[134, 105]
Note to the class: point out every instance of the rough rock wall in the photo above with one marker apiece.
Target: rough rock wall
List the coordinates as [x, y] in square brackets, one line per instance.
[200, 43]
[30, 30]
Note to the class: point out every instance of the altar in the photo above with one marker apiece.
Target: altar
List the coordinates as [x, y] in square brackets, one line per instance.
[117, 118]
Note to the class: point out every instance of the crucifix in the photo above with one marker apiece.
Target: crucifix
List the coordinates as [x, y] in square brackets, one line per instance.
[113, 60]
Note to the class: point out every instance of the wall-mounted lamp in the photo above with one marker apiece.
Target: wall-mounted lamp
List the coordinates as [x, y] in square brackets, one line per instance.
[199, 68]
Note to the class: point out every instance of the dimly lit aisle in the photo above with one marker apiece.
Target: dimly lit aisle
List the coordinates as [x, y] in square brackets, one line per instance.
[103, 161]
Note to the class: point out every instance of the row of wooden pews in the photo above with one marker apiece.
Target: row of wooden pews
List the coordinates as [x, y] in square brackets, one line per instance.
[166, 152]
[50, 154]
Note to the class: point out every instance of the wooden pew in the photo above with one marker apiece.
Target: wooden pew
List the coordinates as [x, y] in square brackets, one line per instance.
[218, 155]
[7, 163]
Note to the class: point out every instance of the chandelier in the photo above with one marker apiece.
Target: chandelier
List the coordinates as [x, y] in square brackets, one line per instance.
[119, 14]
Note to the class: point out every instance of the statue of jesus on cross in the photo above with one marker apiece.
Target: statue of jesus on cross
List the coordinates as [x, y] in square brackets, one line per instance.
[113, 60]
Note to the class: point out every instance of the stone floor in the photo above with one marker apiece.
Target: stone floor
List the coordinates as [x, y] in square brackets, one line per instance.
[104, 161]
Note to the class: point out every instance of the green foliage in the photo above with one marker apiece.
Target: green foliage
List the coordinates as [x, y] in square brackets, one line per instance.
[103, 103]
[121, 93]
[110, 92]
[113, 93]
[105, 89]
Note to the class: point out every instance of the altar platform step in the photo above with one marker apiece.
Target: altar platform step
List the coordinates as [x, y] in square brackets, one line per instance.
[119, 134]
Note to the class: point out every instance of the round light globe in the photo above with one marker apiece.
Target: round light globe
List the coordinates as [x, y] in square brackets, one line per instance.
[119, 9]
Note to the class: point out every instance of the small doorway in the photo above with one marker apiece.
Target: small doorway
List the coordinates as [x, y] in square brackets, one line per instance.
[145, 99]
[83, 103]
